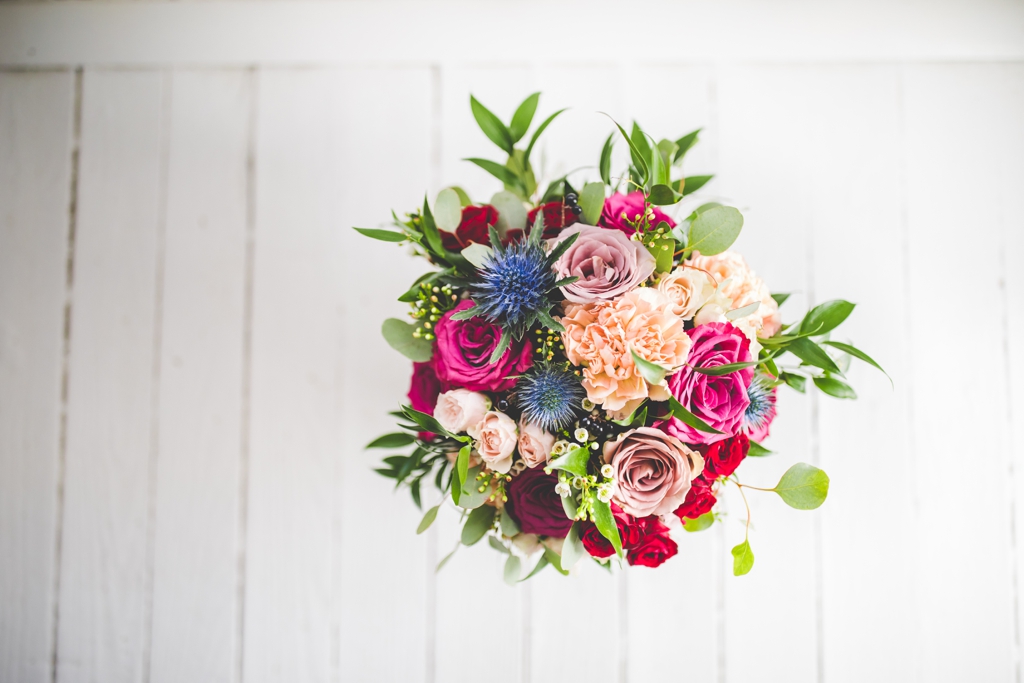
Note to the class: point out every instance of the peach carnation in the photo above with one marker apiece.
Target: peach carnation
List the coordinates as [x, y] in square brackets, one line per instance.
[599, 337]
[742, 286]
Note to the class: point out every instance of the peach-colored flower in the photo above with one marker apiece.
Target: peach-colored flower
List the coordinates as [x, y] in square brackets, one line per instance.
[459, 409]
[496, 440]
[743, 287]
[535, 444]
[688, 289]
[600, 337]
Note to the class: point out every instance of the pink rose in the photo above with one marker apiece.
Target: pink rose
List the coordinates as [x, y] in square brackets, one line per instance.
[496, 440]
[607, 263]
[459, 409]
[632, 205]
[719, 401]
[424, 388]
[463, 349]
[653, 471]
[535, 444]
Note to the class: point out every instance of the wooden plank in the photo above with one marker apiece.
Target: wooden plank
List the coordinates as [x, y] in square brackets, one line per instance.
[383, 633]
[103, 615]
[965, 584]
[761, 154]
[735, 31]
[196, 545]
[295, 433]
[36, 113]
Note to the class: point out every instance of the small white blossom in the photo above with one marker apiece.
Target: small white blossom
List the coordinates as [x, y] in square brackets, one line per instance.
[560, 447]
[562, 489]
[607, 471]
[588, 405]
[604, 494]
[581, 435]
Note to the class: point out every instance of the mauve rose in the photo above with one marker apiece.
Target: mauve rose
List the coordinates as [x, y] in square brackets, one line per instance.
[535, 444]
[653, 471]
[463, 349]
[607, 263]
[632, 205]
[653, 551]
[719, 401]
[496, 440]
[699, 500]
[723, 457]
[459, 409]
[473, 228]
[534, 505]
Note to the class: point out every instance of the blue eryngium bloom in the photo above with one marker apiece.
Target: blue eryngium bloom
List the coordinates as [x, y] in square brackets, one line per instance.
[762, 404]
[549, 396]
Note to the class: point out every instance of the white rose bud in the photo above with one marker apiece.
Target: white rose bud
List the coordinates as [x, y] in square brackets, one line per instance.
[459, 409]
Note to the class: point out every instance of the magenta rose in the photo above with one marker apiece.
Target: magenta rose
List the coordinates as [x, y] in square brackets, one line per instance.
[463, 350]
[424, 388]
[607, 263]
[632, 205]
[720, 401]
[534, 504]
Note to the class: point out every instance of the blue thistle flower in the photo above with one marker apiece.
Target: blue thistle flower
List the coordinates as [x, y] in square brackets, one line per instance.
[514, 285]
[550, 396]
[762, 404]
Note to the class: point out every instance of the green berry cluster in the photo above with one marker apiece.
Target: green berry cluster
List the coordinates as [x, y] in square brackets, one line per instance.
[431, 303]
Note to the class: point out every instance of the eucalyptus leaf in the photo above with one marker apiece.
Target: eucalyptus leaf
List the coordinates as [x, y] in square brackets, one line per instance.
[491, 125]
[513, 570]
[663, 250]
[508, 525]
[835, 387]
[428, 519]
[471, 496]
[444, 561]
[663, 195]
[857, 353]
[701, 523]
[541, 563]
[394, 440]
[803, 487]
[714, 230]
[575, 461]
[825, 317]
[398, 334]
[737, 313]
[498, 545]
[680, 412]
[569, 505]
[742, 559]
[463, 195]
[605, 522]
[511, 212]
[448, 210]
[555, 561]
[572, 549]
[592, 202]
[652, 372]
[477, 254]
[477, 524]
[523, 117]
[383, 235]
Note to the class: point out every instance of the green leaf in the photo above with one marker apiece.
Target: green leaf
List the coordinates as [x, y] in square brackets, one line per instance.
[513, 569]
[663, 195]
[575, 461]
[427, 422]
[826, 317]
[497, 545]
[511, 212]
[555, 561]
[541, 563]
[547, 321]
[857, 353]
[572, 549]
[685, 143]
[427, 520]
[634, 154]
[499, 350]
[758, 451]
[383, 235]
[463, 195]
[394, 440]
[812, 354]
[694, 182]
[447, 210]
[462, 463]
[398, 334]
[835, 387]
[477, 524]
[659, 171]
[639, 139]
[803, 487]
[714, 230]
[466, 313]
[569, 505]
[412, 294]
[508, 525]
[798, 382]
[477, 254]
[605, 165]
[668, 151]
[686, 417]
[502, 173]
[701, 523]
[444, 561]
[737, 313]
[742, 559]
[491, 125]
[663, 250]
[605, 522]
[536, 136]
[780, 298]
[652, 372]
[719, 370]
[523, 117]
[592, 202]
[471, 497]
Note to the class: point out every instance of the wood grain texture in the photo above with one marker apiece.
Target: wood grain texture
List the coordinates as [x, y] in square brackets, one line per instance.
[198, 468]
[103, 591]
[36, 113]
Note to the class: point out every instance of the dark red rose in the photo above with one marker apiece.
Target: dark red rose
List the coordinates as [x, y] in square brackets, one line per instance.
[423, 391]
[556, 216]
[699, 500]
[534, 505]
[476, 221]
[653, 551]
[723, 457]
[631, 531]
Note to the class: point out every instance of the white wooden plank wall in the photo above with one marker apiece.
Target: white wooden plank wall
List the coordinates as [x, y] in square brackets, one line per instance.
[190, 362]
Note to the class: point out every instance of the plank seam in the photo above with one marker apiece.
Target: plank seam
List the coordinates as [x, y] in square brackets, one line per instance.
[62, 447]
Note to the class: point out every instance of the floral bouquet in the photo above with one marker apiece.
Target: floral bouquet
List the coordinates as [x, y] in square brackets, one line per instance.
[589, 372]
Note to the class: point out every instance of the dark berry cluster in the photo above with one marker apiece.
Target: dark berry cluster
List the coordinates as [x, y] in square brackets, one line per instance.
[572, 201]
[600, 428]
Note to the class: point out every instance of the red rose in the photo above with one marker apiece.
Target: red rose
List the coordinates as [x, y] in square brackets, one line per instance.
[699, 500]
[476, 221]
[723, 457]
[653, 551]
[423, 391]
[534, 505]
[556, 216]
[631, 531]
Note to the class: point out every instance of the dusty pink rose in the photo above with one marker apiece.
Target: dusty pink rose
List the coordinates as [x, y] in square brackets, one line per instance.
[619, 207]
[653, 471]
[459, 409]
[535, 444]
[463, 349]
[720, 401]
[607, 263]
[496, 440]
